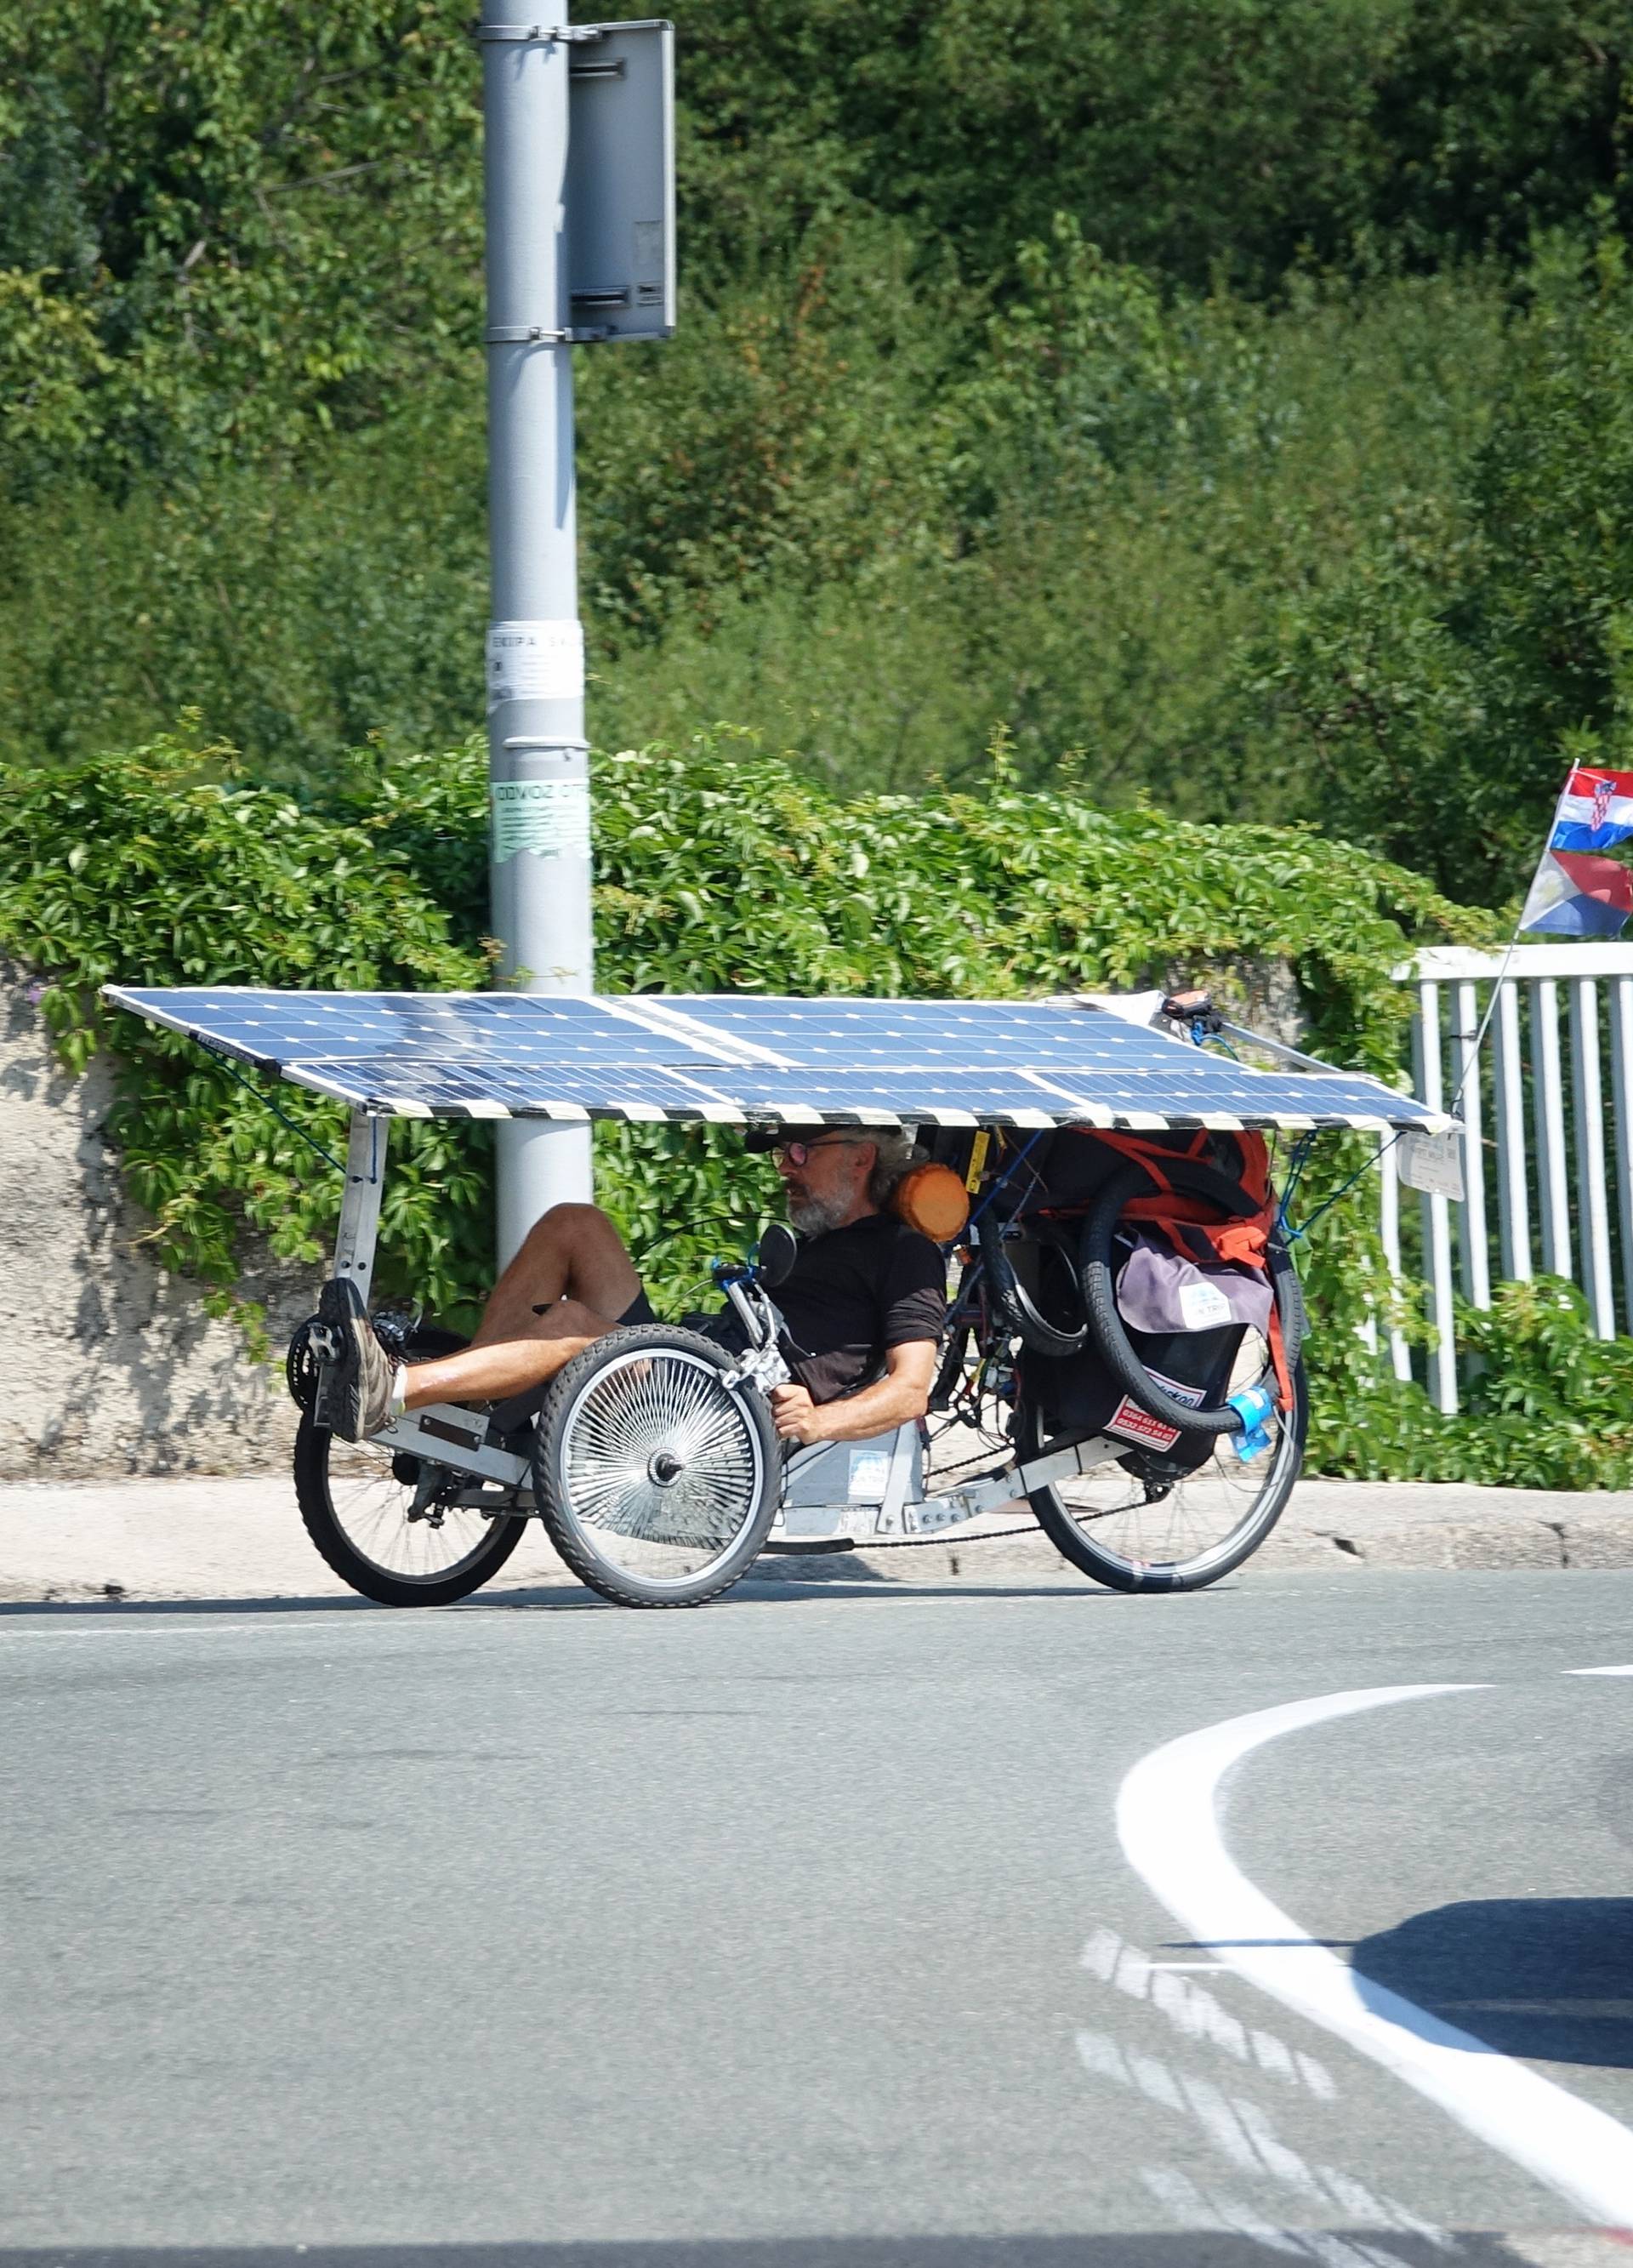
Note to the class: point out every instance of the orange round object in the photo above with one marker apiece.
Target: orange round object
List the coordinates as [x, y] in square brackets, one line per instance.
[933, 1200]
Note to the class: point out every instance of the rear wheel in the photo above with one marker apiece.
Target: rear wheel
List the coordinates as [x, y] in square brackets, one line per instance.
[658, 1481]
[391, 1526]
[1147, 1524]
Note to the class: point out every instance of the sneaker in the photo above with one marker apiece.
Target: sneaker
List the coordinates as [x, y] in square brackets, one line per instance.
[361, 1382]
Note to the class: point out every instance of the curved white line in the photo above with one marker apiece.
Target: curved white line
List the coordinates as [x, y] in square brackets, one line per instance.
[1167, 1820]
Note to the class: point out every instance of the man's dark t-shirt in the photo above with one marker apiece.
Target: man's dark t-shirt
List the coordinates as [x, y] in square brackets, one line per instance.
[850, 1297]
[855, 1293]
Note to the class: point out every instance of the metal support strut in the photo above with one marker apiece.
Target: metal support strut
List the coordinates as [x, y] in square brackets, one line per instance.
[360, 1206]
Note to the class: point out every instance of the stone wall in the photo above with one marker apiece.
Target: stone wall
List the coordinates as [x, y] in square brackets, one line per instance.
[113, 1366]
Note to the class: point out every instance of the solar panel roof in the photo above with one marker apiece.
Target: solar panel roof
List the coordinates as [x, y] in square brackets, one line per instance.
[756, 1060]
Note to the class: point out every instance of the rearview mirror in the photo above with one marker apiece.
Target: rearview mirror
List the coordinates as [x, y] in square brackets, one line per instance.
[779, 1248]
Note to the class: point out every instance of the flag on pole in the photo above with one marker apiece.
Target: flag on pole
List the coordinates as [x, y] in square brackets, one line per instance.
[1576, 891]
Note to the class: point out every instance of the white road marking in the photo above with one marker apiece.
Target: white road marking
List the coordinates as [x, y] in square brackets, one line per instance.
[1624, 1669]
[1188, 2204]
[1193, 2010]
[1168, 1820]
[357, 1618]
[281, 1623]
[180, 1630]
[1241, 2133]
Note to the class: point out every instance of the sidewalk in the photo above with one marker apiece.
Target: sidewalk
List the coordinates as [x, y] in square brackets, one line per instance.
[234, 1538]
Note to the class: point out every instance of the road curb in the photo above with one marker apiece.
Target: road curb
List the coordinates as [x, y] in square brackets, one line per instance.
[203, 1539]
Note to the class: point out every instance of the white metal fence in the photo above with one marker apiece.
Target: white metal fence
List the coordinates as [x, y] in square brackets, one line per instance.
[1547, 1105]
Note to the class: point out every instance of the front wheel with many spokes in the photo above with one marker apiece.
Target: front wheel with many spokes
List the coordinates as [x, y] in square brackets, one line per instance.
[656, 1472]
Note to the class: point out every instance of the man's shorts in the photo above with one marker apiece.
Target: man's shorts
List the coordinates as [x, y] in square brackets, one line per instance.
[718, 1324]
[511, 1413]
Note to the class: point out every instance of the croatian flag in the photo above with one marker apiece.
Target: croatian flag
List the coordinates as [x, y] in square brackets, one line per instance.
[1576, 892]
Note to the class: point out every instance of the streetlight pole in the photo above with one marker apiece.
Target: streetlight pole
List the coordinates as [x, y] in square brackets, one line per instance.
[538, 757]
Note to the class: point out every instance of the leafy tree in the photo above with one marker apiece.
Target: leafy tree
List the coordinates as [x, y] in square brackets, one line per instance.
[270, 215]
[1481, 641]
[1193, 136]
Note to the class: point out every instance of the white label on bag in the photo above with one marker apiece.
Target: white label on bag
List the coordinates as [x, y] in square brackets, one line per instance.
[1130, 1422]
[534, 661]
[1204, 1306]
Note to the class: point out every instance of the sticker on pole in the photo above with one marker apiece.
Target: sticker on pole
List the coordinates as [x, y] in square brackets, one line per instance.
[550, 818]
[1432, 1163]
[534, 661]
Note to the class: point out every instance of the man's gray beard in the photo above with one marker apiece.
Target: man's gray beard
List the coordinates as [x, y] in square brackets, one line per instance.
[817, 1216]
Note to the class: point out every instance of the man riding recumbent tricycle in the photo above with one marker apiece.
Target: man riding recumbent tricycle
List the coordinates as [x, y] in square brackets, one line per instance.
[1035, 1238]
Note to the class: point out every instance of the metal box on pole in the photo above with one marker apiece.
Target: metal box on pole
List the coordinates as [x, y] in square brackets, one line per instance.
[621, 182]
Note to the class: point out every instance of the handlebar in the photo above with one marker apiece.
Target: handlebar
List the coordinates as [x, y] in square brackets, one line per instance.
[750, 1302]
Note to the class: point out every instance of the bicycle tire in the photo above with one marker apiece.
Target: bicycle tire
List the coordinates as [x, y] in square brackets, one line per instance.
[1098, 1275]
[598, 1446]
[1014, 1304]
[950, 1370]
[1134, 1572]
[326, 1522]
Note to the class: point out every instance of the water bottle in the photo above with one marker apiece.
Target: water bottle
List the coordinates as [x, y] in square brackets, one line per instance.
[1254, 1406]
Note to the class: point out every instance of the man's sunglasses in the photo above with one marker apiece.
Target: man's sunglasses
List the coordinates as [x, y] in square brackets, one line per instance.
[797, 1153]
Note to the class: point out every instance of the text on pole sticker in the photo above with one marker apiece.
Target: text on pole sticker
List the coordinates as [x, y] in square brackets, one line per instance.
[1432, 1163]
[550, 818]
[534, 661]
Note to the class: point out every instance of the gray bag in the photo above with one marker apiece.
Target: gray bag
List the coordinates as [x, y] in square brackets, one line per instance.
[1160, 1290]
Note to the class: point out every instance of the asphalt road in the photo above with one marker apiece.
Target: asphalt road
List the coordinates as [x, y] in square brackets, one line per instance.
[804, 1930]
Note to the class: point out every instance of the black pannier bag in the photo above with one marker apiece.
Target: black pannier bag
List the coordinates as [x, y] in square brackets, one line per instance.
[1076, 1394]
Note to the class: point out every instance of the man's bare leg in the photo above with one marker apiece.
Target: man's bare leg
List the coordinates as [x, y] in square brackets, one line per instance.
[572, 1263]
[494, 1370]
[572, 1252]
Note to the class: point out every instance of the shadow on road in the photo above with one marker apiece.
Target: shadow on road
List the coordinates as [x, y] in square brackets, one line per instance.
[1210, 2247]
[754, 1590]
[1548, 1979]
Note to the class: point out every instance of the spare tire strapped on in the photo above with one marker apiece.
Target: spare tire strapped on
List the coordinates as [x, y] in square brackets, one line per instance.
[1106, 1325]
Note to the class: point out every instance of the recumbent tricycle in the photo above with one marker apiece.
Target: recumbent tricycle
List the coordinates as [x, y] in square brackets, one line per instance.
[1123, 1347]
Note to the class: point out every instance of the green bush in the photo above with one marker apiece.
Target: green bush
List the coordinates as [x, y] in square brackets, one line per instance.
[159, 867]
[719, 867]
[1546, 1404]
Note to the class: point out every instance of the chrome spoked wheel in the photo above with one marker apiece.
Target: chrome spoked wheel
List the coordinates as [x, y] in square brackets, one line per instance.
[384, 1524]
[1155, 1523]
[656, 1479]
